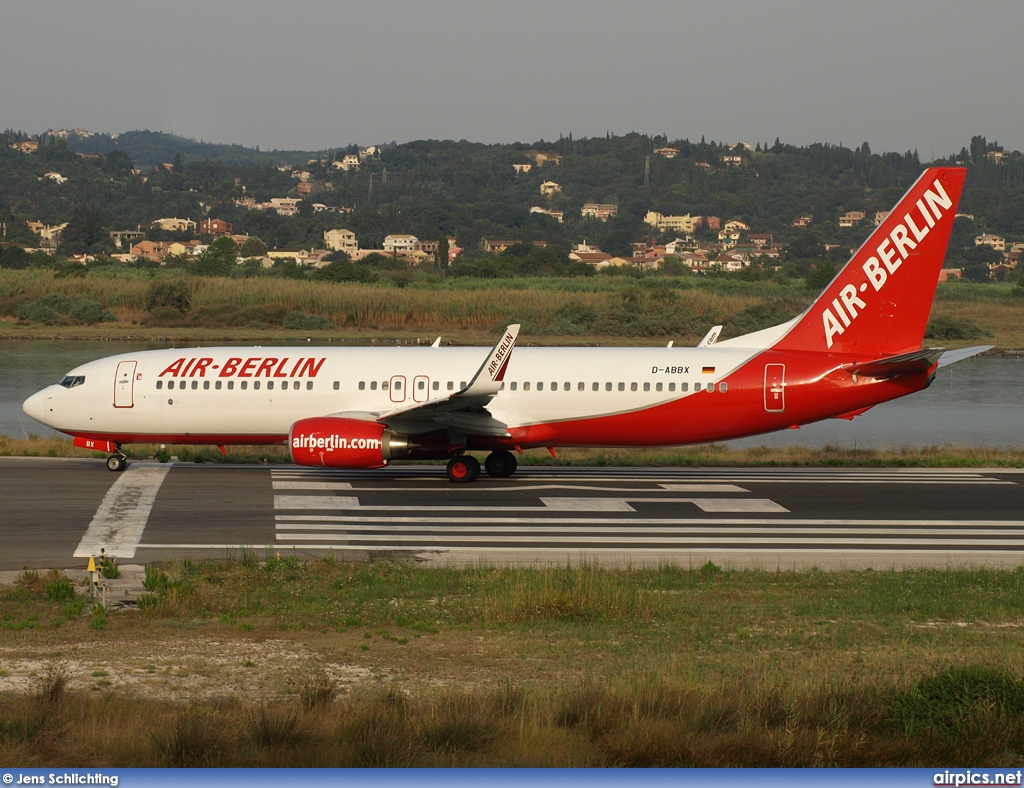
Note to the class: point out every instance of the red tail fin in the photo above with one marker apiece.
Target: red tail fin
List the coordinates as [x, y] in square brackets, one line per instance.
[878, 304]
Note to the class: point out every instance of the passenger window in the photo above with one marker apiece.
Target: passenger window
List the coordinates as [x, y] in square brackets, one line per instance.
[596, 387]
[711, 386]
[514, 384]
[296, 385]
[554, 387]
[647, 386]
[206, 385]
[420, 385]
[398, 385]
[567, 386]
[632, 386]
[373, 385]
[696, 386]
[384, 385]
[540, 385]
[231, 385]
[526, 386]
[217, 385]
[672, 387]
[723, 387]
[682, 386]
[658, 386]
[159, 385]
[451, 385]
[581, 386]
[243, 385]
[255, 385]
[622, 387]
[309, 385]
[462, 384]
[270, 385]
[195, 384]
[437, 385]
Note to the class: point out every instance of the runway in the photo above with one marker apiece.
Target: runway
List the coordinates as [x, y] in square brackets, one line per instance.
[55, 513]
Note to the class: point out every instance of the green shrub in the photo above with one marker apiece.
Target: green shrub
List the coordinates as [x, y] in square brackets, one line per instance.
[60, 590]
[945, 327]
[302, 321]
[170, 293]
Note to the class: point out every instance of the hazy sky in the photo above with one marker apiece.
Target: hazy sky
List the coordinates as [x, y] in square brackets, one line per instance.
[313, 74]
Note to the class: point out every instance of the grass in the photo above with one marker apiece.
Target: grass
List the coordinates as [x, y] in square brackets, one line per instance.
[712, 455]
[515, 667]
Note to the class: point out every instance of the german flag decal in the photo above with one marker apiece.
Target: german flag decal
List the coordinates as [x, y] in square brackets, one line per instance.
[708, 370]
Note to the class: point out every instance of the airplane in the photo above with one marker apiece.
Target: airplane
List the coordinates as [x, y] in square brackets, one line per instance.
[857, 345]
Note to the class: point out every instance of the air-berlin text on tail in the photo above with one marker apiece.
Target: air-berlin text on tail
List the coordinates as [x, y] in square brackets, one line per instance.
[257, 367]
[889, 255]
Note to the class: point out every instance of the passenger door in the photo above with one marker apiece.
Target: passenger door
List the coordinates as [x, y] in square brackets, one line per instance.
[124, 384]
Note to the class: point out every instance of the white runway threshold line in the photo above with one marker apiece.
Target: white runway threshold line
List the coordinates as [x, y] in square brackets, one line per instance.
[118, 524]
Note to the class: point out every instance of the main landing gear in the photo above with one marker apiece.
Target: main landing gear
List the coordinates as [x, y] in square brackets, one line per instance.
[117, 461]
[464, 468]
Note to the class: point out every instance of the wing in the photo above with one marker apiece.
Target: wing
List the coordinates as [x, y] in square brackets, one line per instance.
[465, 410]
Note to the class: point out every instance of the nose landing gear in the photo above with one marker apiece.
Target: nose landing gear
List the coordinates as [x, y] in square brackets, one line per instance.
[117, 461]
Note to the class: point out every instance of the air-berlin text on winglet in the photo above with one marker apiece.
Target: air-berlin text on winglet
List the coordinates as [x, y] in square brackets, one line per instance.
[254, 367]
[499, 357]
[892, 252]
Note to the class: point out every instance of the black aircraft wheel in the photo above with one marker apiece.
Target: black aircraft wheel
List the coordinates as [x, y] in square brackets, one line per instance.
[463, 469]
[116, 462]
[500, 464]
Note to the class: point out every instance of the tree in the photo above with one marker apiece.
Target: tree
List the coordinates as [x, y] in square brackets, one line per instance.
[118, 163]
[253, 247]
[219, 259]
[441, 256]
[85, 232]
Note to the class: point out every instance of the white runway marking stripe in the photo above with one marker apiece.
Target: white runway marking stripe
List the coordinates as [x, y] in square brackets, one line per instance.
[334, 502]
[121, 518]
[687, 521]
[312, 485]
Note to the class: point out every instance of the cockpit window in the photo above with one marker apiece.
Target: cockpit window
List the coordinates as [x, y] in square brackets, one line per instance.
[70, 381]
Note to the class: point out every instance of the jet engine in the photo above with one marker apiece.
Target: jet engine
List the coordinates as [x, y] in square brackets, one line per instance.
[336, 442]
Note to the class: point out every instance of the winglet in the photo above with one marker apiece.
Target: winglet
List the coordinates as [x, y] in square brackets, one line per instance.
[489, 377]
[711, 337]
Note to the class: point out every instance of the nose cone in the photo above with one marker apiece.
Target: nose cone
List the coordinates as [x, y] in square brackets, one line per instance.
[35, 406]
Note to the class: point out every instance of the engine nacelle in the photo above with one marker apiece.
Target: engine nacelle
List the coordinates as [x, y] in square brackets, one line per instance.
[334, 442]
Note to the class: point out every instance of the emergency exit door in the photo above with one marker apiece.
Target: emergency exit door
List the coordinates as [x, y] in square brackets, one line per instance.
[775, 388]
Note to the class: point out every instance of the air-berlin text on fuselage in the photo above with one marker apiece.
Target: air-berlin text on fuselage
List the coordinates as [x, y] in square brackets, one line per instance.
[891, 253]
[256, 367]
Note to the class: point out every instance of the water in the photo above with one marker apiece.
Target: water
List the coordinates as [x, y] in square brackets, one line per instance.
[974, 403]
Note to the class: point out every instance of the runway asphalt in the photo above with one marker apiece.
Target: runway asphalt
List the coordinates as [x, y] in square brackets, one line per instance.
[55, 513]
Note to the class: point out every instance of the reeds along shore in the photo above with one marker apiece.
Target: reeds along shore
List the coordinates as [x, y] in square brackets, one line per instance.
[610, 309]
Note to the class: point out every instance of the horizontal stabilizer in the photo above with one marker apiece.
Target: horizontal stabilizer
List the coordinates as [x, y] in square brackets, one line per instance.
[905, 364]
[953, 356]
